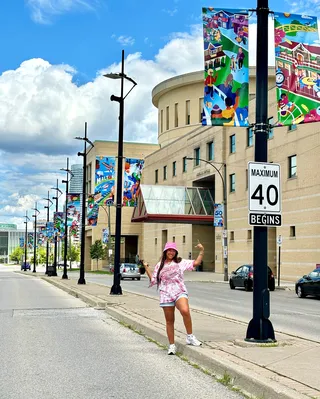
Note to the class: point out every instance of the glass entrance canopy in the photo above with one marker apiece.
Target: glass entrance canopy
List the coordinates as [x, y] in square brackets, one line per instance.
[174, 204]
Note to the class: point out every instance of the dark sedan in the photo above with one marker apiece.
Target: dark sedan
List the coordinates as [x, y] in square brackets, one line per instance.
[309, 284]
[243, 277]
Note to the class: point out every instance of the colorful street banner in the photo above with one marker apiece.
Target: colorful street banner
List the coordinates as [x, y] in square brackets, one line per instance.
[105, 180]
[41, 236]
[92, 211]
[73, 213]
[218, 215]
[21, 242]
[58, 221]
[50, 231]
[105, 235]
[297, 54]
[226, 67]
[30, 240]
[131, 184]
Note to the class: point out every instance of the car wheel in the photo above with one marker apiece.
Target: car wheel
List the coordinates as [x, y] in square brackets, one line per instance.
[300, 292]
[138, 278]
[231, 285]
[272, 287]
[121, 278]
[247, 286]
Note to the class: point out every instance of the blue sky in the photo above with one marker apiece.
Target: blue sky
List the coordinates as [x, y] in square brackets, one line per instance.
[54, 53]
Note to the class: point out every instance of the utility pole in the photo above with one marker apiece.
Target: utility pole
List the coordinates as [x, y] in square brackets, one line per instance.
[260, 328]
[56, 198]
[36, 212]
[84, 197]
[65, 273]
[47, 241]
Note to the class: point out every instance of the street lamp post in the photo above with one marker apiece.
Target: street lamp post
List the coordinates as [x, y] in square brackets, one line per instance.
[65, 274]
[47, 207]
[36, 213]
[54, 271]
[83, 210]
[260, 327]
[225, 221]
[116, 288]
[26, 241]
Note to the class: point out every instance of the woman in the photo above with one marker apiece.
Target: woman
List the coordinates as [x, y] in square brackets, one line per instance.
[168, 275]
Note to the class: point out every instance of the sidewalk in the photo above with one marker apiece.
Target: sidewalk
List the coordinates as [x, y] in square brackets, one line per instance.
[288, 369]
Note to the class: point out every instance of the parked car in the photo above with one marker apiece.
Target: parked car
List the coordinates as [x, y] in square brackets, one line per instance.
[129, 270]
[309, 284]
[243, 277]
[25, 266]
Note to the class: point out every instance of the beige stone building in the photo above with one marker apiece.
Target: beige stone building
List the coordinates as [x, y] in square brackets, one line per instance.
[179, 101]
[131, 233]
[180, 135]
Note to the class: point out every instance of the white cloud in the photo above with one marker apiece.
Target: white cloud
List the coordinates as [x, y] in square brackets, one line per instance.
[42, 110]
[307, 7]
[170, 12]
[124, 40]
[42, 11]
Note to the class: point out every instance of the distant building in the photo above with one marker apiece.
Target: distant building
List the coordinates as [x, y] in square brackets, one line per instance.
[9, 240]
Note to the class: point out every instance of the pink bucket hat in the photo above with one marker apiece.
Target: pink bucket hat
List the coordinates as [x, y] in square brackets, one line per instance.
[170, 245]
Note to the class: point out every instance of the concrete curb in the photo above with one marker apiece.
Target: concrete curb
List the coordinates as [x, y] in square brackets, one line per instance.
[247, 376]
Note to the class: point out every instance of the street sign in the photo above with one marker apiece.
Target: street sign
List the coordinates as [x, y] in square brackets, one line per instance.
[264, 194]
[279, 240]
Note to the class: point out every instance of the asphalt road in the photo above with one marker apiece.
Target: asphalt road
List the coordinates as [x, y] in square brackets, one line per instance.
[53, 346]
[288, 313]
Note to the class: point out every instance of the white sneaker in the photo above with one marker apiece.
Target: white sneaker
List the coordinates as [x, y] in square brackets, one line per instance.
[192, 340]
[172, 349]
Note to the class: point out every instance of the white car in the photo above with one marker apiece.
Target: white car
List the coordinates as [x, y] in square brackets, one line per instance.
[129, 270]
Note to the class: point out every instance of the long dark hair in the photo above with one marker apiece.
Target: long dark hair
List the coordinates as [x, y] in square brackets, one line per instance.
[163, 259]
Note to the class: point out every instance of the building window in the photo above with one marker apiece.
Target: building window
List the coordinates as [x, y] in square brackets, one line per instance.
[156, 241]
[167, 118]
[292, 231]
[291, 128]
[184, 164]
[232, 144]
[231, 235]
[156, 176]
[270, 131]
[210, 151]
[292, 166]
[197, 156]
[183, 239]
[173, 239]
[200, 109]
[165, 172]
[188, 112]
[161, 120]
[232, 184]
[176, 113]
[249, 235]
[249, 137]
[174, 168]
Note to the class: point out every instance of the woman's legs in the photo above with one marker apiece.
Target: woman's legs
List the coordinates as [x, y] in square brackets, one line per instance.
[182, 305]
[169, 316]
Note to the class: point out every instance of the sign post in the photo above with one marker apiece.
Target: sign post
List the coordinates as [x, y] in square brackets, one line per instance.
[279, 242]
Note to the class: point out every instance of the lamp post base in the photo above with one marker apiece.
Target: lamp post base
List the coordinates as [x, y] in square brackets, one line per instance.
[260, 330]
[116, 290]
[64, 277]
[81, 281]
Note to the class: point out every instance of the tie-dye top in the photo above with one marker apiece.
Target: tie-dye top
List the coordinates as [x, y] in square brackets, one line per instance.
[171, 279]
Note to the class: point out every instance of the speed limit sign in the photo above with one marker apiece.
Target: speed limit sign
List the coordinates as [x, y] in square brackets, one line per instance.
[264, 194]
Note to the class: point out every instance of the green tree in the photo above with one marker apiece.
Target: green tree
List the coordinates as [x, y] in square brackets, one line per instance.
[97, 251]
[73, 254]
[17, 254]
